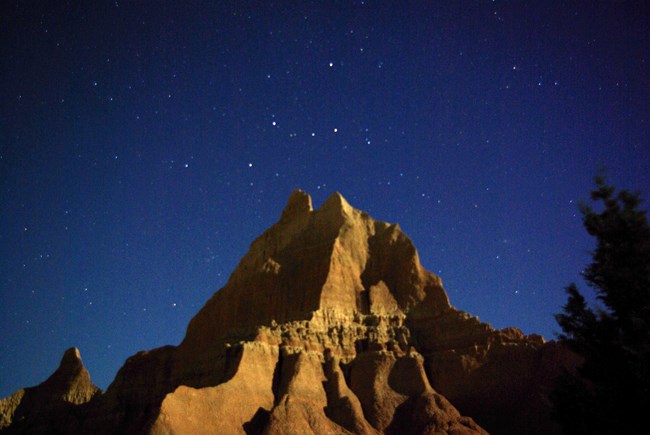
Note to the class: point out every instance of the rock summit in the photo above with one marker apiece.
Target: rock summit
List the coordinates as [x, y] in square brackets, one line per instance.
[329, 324]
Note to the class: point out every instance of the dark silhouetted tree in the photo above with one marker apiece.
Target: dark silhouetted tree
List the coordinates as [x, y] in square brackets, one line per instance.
[610, 391]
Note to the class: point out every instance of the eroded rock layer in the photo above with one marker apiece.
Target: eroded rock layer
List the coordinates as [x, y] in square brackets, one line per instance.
[329, 324]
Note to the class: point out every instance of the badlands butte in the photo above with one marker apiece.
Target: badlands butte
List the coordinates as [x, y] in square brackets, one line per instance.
[328, 325]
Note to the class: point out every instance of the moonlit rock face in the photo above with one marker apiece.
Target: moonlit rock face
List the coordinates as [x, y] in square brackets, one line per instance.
[327, 262]
[329, 324]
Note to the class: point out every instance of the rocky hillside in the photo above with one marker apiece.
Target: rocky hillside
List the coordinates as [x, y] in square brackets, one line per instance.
[329, 324]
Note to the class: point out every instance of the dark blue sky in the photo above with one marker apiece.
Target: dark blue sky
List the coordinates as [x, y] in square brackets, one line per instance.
[145, 144]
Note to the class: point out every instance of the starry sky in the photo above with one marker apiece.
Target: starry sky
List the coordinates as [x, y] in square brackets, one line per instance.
[145, 144]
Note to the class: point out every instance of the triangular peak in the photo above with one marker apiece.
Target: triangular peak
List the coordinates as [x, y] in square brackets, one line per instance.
[335, 206]
[71, 356]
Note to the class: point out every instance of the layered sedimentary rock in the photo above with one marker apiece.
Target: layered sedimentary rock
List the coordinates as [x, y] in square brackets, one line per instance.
[329, 324]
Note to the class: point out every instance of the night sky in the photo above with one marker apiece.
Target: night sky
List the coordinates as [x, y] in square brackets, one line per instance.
[145, 144]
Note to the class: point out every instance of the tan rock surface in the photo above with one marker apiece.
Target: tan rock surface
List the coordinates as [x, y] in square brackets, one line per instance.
[472, 364]
[230, 407]
[343, 406]
[302, 399]
[53, 403]
[329, 324]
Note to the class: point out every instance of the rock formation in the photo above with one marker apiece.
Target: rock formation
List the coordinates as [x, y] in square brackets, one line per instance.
[329, 324]
[56, 403]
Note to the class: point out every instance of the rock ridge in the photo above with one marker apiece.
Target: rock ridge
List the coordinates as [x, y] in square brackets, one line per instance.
[329, 324]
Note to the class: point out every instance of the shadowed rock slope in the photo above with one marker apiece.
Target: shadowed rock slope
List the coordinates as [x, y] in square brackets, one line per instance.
[329, 324]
